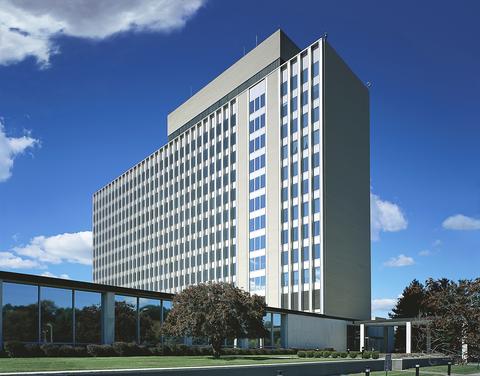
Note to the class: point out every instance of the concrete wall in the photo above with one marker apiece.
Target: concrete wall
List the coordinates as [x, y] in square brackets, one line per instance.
[242, 191]
[346, 164]
[276, 46]
[273, 284]
[316, 332]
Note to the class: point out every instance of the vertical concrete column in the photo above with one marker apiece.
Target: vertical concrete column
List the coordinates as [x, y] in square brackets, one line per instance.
[108, 317]
[362, 337]
[464, 350]
[1, 314]
[429, 340]
[408, 340]
[385, 339]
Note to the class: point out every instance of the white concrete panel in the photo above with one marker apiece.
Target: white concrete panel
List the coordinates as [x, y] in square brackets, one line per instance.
[316, 332]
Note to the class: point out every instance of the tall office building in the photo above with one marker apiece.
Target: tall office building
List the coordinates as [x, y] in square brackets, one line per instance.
[264, 183]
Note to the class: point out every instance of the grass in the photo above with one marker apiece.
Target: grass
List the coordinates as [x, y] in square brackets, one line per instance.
[68, 364]
[466, 369]
[430, 371]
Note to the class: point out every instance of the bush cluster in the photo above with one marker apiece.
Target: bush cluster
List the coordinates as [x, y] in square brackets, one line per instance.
[15, 349]
[330, 353]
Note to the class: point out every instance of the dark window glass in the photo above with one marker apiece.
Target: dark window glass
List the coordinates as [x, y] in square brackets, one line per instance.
[56, 315]
[20, 312]
[150, 320]
[125, 318]
[87, 317]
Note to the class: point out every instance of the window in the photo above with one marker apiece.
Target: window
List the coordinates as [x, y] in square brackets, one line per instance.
[317, 274]
[294, 256]
[306, 276]
[305, 254]
[316, 137]
[284, 279]
[295, 278]
[284, 215]
[316, 228]
[87, 317]
[150, 320]
[125, 318]
[20, 312]
[316, 251]
[316, 205]
[284, 258]
[56, 314]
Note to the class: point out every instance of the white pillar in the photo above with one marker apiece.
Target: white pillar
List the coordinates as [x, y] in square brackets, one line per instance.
[408, 340]
[1, 314]
[108, 317]
[464, 351]
[362, 336]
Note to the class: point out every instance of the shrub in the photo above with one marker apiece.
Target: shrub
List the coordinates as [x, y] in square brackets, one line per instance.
[343, 355]
[375, 355]
[366, 355]
[310, 354]
[100, 350]
[34, 350]
[326, 354]
[302, 354]
[334, 354]
[15, 349]
[353, 354]
[318, 354]
[80, 351]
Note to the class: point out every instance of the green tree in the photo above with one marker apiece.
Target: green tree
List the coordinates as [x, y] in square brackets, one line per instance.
[410, 304]
[217, 311]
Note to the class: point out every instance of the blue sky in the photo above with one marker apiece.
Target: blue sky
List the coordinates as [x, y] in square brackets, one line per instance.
[84, 95]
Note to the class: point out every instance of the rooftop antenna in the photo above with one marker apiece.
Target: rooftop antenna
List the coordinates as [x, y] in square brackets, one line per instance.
[325, 35]
[368, 84]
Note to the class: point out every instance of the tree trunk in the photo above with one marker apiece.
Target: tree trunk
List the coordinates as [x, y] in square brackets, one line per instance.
[216, 347]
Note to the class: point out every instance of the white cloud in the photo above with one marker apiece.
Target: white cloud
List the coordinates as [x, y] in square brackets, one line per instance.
[9, 260]
[48, 274]
[10, 148]
[29, 27]
[385, 216]
[384, 304]
[399, 261]
[425, 252]
[461, 222]
[68, 247]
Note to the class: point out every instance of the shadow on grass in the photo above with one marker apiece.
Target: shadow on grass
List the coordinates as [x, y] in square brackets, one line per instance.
[240, 357]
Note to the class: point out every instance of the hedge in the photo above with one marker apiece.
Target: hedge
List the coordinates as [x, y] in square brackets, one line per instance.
[16, 349]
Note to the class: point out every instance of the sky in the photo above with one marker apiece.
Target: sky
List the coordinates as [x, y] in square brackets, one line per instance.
[85, 90]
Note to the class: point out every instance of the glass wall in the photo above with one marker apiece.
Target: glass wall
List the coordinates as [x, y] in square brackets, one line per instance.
[56, 315]
[88, 312]
[20, 312]
[150, 320]
[277, 330]
[125, 318]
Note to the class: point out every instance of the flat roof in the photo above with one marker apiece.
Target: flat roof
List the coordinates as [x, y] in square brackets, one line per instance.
[267, 56]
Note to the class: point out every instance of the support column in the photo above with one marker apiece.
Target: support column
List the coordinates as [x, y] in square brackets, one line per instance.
[464, 351]
[429, 340]
[108, 317]
[1, 314]
[362, 337]
[385, 339]
[408, 340]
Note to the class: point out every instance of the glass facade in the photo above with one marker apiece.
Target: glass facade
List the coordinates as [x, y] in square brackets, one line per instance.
[56, 315]
[170, 221]
[257, 188]
[301, 181]
[88, 311]
[20, 312]
[36, 313]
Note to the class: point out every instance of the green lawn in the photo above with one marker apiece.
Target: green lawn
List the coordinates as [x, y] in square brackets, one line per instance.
[430, 371]
[459, 369]
[66, 364]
